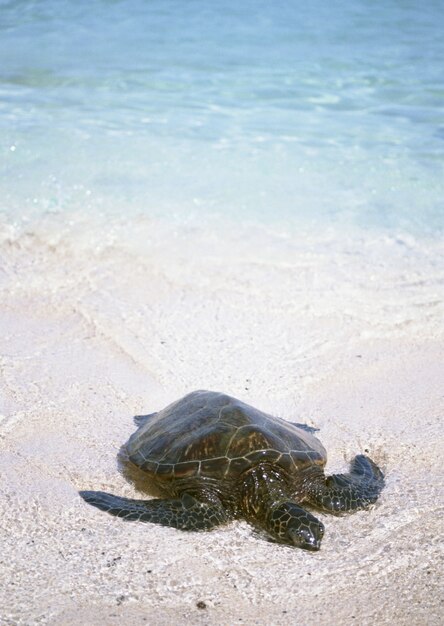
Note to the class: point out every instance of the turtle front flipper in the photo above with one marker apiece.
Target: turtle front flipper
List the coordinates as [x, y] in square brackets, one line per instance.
[347, 492]
[186, 513]
[140, 420]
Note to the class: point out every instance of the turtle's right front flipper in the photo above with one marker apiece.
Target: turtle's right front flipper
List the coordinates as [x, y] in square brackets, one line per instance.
[186, 513]
[348, 492]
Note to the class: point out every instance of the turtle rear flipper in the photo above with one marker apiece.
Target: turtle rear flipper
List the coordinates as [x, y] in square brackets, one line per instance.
[186, 513]
[347, 492]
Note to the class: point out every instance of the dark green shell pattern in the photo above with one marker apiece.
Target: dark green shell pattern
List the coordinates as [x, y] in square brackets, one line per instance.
[209, 435]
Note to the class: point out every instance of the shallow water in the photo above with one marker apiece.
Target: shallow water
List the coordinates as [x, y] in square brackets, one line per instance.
[329, 114]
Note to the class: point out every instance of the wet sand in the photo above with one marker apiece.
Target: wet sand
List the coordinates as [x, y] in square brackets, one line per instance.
[102, 322]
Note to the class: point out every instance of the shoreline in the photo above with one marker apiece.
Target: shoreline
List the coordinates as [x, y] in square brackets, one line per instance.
[93, 334]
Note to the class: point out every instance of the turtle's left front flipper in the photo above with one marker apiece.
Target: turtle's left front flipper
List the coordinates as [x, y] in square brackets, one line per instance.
[186, 513]
[347, 492]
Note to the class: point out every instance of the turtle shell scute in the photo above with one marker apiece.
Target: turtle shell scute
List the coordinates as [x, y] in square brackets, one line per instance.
[212, 435]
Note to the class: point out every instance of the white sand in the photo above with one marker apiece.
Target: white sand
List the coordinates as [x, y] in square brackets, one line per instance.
[103, 321]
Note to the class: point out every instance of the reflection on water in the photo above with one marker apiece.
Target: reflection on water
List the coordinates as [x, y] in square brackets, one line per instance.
[325, 113]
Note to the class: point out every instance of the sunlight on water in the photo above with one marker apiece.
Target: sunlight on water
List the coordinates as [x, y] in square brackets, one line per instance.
[329, 113]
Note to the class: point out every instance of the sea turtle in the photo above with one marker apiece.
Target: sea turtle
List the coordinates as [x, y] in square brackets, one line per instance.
[216, 459]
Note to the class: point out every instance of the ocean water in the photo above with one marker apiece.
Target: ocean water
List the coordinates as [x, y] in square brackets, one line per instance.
[322, 114]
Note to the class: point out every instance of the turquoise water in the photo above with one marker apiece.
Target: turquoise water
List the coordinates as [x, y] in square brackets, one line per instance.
[327, 113]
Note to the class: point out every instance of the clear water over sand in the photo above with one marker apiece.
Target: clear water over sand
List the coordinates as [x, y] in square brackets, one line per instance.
[330, 113]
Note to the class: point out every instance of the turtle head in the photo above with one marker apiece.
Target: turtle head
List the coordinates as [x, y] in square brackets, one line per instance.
[293, 525]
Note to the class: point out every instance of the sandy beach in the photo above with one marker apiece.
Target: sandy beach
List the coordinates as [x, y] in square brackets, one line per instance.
[104, 320]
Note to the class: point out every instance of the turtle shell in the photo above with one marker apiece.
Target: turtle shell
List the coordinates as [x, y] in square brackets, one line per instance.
[211, 435]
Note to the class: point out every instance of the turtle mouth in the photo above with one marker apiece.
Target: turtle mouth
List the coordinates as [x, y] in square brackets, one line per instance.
[311, 547]
[304, 540]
